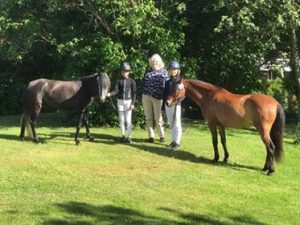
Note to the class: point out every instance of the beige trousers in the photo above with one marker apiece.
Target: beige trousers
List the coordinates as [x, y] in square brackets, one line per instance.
[152, 110]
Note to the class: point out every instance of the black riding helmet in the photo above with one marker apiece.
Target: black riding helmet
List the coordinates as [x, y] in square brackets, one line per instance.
[174, 65]
[125, 66]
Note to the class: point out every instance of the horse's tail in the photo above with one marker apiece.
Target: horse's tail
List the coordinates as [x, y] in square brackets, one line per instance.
[277, 133]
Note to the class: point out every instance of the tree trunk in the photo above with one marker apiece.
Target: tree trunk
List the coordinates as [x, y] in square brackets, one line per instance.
[296, 67]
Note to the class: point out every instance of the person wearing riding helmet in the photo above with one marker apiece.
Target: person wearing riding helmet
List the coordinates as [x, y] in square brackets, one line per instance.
[125, 89]
[173, 112]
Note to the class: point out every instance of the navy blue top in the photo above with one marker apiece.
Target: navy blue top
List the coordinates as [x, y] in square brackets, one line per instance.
[154, 83]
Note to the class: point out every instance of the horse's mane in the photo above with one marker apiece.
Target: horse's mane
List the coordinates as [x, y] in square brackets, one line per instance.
[204, 85]
[89, 76]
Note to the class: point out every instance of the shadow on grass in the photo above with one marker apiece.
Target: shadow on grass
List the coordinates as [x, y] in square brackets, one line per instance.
[54, 119]
[11, 137]
[139, 144]
[187, 156]
[88, 214]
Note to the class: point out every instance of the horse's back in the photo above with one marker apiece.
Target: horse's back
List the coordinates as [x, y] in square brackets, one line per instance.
[243, 111]
[36, 85]
[56, 93]
[230, 109]
[263, 107]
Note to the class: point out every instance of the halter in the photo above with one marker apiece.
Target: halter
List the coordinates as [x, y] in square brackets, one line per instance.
[101, 82]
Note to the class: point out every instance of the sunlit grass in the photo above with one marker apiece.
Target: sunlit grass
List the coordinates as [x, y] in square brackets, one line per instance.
[105, 182]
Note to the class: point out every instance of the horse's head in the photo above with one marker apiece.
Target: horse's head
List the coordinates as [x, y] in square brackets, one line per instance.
[177, 91]
[103, 86]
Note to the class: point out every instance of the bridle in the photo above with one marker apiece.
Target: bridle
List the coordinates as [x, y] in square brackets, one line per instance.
[179, 88]
[100, 83]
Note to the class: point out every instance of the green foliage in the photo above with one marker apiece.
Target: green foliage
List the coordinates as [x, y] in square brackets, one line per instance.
[230, 38]
[218, 41]
[297, 136]
[276, 89]
[66, 40]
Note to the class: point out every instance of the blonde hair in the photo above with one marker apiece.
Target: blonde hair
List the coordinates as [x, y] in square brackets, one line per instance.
[157, 57]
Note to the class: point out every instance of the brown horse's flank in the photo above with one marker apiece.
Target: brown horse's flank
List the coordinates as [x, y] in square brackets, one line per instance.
[223, 109]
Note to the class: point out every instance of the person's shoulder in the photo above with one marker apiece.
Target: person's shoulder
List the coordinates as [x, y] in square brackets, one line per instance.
[149, 70]
[132, 80]
[164, 72]
[168, 80]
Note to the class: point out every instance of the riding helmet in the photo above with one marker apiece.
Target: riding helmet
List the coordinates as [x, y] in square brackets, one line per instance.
[125, 66]
[174, 65]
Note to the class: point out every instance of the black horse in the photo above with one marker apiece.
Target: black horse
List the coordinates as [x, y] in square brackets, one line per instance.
[69, 95]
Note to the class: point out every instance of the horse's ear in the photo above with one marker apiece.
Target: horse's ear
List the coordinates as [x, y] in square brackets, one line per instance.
[178, 81]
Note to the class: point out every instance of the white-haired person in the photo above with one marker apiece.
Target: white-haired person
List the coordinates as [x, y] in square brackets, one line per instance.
[125, 89]
[152, 89]
[173, 112]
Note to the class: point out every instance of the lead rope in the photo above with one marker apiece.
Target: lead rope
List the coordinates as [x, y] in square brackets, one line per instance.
[112, 104]
[115, 108]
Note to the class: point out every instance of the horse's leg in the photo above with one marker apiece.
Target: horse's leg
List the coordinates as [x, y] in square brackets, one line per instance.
[87, 126]
[22, 127]
[79, 123]
[269, 165]
[214, 134]
[223, 141]
[33, 121]
[270, 147]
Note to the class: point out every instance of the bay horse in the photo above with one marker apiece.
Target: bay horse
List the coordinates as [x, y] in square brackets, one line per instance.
[221, 109]
[75, 95]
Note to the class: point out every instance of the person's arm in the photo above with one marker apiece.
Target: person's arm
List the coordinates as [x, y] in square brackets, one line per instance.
[115, 91]
[133, 91]
[166, 93]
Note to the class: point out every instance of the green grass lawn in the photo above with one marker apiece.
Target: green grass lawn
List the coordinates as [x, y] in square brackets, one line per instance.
[104, 182]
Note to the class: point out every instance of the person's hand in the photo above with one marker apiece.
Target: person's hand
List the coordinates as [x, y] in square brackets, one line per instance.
[108, 95]
[180, 86]
[132, 107]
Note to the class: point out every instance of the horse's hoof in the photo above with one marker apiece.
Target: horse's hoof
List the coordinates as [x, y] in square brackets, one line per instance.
[77, 143]
[91, 139]
[270, 172]
[264, 169]
[37, 141]
[215, 161]
[225, 160]
[22, 139]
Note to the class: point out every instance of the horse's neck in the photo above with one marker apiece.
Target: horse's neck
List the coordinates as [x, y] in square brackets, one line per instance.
[198, 91]
[90, 86]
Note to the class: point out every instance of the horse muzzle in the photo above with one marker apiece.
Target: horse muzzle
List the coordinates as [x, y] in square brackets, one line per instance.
[170, 103]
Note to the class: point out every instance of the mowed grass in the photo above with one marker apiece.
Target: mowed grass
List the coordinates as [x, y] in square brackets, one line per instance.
[105, 182]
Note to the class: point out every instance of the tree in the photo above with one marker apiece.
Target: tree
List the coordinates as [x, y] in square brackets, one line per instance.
[229, 39]
[68, 39]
